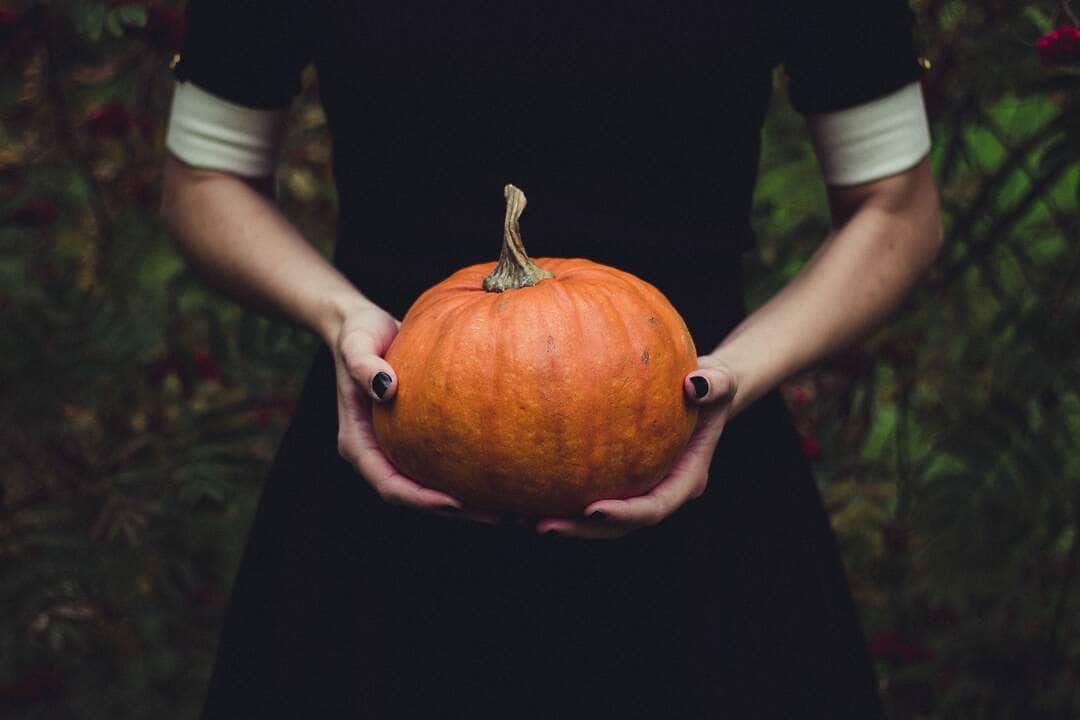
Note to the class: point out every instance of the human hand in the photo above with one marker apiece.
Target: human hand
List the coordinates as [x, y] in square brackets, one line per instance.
[713, 387]
[364, 377]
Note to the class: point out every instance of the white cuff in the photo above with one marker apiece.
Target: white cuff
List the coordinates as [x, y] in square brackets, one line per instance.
[209, 132]
[873, 140]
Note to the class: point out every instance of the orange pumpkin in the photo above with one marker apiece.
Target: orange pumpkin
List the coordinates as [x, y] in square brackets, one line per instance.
[538, 387]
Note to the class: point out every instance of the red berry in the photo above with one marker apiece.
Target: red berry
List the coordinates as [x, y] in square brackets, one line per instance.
[208, 368]
[1059, 46]
[36, 213]
[33, 687]
[208, 597]
[898, 649]
[166, 24]
[109, 120]
[810, 446]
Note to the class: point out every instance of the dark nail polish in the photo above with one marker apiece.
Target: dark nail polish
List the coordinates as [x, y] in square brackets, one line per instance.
[701, 386]
[597, 515]
[381, 383]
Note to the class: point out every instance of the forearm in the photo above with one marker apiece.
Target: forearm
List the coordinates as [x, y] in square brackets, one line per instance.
[243, 245]
[887, 235]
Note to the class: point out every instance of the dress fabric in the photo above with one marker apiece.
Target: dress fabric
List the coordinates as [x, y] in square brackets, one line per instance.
[633, 127]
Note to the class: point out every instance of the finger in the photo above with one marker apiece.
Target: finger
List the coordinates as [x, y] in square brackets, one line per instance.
[397, 489]
[708, 385]
[685, 481]
[583, 529]
[366, 368]
[373, 374]
[359, 446]
[673, 492]
[601, 521]
[615, 518]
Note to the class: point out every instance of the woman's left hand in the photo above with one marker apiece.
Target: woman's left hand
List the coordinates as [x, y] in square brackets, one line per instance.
[713, 387]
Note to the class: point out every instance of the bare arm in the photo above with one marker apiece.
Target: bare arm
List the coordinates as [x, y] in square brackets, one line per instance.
[886, 235]
[243, 245]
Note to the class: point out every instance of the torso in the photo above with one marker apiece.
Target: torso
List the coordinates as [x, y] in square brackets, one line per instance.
[633, 131]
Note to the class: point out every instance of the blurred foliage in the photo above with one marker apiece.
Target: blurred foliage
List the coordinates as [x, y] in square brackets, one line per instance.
[948, 445]
[139, 410]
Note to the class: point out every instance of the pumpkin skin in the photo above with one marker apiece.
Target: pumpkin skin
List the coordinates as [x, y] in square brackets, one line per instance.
[539, 400]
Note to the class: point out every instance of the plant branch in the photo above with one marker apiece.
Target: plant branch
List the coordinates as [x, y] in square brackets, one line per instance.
[68, 139]
[1005, 220]
[979, 207]
[1066, 587]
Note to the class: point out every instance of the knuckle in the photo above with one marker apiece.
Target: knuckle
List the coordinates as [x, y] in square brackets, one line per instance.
[356, 366]
[700, 486]
[357, 344]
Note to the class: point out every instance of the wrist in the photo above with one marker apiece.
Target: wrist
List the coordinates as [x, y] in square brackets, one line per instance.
[752, 378]
[335, 309]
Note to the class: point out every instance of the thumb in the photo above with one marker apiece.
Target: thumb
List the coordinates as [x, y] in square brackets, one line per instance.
[373, 374]
[709, 385]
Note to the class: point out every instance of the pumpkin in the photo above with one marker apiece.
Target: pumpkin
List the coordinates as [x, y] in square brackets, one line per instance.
[538, 387]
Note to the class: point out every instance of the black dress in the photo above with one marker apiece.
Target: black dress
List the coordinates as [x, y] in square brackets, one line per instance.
[634, 129]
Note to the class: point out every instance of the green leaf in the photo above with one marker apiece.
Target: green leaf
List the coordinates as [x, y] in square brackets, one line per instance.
[125, 16]
[878, 443]
[204, 487]
[159, 267]
[1038, 17]
[1020, 118]
[132, 15]
[984, 148]
[90, 19]
[113, 25]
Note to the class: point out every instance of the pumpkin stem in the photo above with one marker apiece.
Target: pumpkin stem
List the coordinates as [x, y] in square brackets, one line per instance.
[514, 269]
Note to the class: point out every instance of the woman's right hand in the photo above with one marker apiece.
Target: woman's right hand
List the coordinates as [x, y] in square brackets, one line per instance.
[364, 377]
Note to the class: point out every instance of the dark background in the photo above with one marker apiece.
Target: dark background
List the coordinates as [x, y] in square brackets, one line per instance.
[138, 410]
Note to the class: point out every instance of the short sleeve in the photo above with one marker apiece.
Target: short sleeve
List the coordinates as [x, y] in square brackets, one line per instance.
[247, 52]
[843, 53]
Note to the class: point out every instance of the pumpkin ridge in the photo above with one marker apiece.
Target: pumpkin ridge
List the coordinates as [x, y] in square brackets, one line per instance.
[642, 340]
[592, 395]
[500, 402]
[663, 360]
[630, 419]
[621, 395]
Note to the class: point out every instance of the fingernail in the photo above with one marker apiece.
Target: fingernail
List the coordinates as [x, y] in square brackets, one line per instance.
[701, 386]
[381, 383]
[598, 515]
